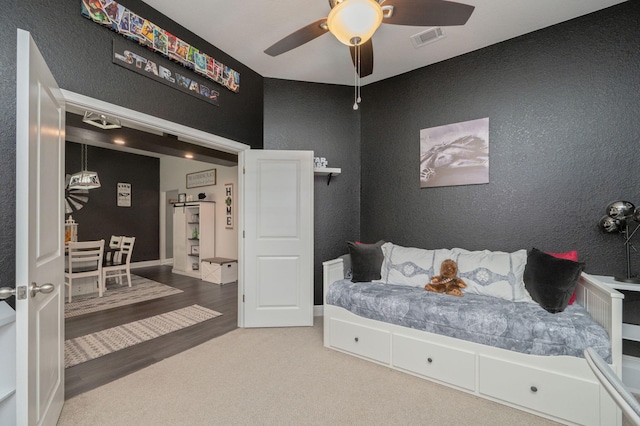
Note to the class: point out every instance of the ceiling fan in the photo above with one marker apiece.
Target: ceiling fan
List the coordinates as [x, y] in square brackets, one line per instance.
[353, 22]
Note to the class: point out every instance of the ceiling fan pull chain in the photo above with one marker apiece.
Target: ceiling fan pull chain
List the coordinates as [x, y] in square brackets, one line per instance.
[355, 82]
[358, 68]
[359, 72]
[358, 99]
[86, 155]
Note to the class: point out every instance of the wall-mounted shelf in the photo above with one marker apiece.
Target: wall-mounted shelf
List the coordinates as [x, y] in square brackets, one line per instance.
[327, 171]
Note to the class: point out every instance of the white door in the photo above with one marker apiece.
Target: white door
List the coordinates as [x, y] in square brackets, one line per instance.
[278, 243]
[39, 247]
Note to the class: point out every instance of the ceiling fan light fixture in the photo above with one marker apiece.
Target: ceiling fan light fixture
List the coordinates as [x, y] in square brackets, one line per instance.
[351, 20]
[101, 121]
[84, 180]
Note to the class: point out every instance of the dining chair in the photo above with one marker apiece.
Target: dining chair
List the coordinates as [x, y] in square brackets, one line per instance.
[119, 268]
[84, 259]
[614, 386]
[114, 244]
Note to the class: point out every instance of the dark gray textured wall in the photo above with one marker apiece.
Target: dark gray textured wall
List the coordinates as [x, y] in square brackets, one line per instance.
[319, 117]
[78, 52]
[101, 217]
[564, 141]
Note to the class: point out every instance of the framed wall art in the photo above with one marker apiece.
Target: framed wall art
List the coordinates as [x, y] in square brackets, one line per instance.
[455, 154]
[203, 178]
[124, 194]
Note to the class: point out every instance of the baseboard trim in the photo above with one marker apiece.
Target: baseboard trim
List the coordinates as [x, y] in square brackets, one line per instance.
[146, 263]
[318, 310]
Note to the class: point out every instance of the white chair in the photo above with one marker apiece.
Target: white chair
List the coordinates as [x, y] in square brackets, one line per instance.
[612, 383]
[117, 269]
[114, 244]
[84, 259]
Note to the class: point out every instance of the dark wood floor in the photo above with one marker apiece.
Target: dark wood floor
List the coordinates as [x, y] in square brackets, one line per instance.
[97, 372]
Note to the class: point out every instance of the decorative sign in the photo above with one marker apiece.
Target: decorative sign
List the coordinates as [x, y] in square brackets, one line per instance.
[228, 204]
[124, 194]
[124, 22]
[172, 76]
[203, 178]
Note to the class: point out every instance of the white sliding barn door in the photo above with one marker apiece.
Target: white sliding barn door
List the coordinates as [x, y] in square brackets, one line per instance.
[39, 249]
[278, 242]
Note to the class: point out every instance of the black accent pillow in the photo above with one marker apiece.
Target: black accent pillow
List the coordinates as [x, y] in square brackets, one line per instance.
[366, 261]
[551, 281]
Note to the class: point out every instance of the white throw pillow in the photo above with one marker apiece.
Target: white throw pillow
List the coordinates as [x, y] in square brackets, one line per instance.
[410, 266]
[493, 273]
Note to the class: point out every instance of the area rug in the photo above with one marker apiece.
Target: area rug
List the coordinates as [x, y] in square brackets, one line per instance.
[118, 295]
[95, 345]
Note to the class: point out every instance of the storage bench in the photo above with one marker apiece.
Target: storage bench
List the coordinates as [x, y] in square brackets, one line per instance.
[219, 270]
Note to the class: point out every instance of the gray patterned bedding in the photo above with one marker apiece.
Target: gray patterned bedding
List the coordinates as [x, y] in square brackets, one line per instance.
[516, 326]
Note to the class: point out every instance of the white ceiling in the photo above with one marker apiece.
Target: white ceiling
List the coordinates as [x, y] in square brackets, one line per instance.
[245, 28]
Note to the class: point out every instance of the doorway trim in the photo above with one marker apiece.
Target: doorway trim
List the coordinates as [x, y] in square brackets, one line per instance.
[188, 134]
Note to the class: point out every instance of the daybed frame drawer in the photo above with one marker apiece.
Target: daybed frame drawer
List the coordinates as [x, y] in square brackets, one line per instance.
[443, 363]
[562, 396]
[364, 341]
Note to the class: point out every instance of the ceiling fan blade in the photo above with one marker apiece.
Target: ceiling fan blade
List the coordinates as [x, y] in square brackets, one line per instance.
[366, 58]
[298, 38]
[428, 13]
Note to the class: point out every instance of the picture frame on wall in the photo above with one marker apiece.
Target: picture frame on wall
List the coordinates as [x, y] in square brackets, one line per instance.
[455, 154]
[124, 194]
[182, 197]
[203, 178]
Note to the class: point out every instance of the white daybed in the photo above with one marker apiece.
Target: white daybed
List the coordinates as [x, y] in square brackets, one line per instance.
[561, 388]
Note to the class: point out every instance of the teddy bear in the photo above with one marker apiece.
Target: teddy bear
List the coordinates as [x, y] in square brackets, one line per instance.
[447, 282]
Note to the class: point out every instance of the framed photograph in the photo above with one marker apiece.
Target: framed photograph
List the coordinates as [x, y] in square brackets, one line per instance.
[182, 197]
[203, 178]
[195, 249]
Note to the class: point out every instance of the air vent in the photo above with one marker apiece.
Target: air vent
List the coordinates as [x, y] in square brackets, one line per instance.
[427, 36]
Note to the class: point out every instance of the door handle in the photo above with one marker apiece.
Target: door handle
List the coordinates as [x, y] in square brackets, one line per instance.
[44, 288]
[7, 292]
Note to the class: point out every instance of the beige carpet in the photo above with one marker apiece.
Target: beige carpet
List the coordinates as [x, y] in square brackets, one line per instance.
[279, 376]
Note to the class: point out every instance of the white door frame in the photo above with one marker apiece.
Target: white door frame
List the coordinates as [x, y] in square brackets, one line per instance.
[75, 102]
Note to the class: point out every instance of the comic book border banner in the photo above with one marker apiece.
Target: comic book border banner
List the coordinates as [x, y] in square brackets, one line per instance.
[134, 58]
[125, 22]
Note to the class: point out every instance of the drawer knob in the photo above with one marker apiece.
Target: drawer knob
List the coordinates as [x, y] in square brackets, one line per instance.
[534, 389]
[356, 339]
[429, 360]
